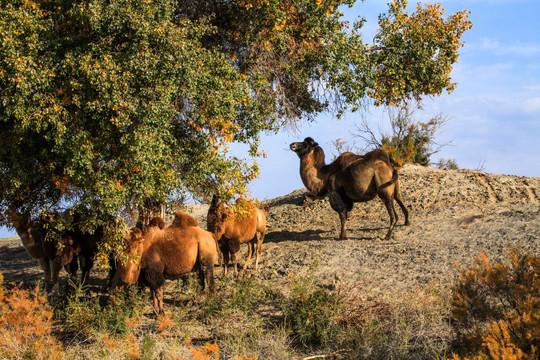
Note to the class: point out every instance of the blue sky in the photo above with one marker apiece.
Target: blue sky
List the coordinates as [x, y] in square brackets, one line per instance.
[494, 113]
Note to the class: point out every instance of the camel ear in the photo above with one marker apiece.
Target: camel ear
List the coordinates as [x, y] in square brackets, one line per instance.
[216, 200]
[136, 234]
[310, 141]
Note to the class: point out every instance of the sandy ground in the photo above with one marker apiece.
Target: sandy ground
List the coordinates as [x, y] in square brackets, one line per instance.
[454, 216]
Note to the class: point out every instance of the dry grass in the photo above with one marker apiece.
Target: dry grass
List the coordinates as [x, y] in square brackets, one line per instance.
[245, 320]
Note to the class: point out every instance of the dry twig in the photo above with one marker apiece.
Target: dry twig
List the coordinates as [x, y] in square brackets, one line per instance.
[328, 356]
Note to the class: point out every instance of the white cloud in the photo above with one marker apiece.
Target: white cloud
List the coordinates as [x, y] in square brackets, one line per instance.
[534, 87]
[532, 105]
[515, 49]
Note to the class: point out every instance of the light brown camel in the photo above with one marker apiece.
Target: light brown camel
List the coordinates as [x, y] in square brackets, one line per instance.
[347, 182]
[232, 230]
[161, 253]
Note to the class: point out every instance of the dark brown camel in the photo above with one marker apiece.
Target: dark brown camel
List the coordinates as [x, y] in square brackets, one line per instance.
[69, 249]
[348, 180]
[50, 256]
[313, 169]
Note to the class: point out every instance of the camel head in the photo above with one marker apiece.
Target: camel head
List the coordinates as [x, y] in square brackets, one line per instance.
[21, 222]
[128, 273]
[68, 249]
[304, 147]
[222, 216]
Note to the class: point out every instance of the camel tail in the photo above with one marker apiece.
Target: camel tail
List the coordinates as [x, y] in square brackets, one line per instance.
[391, 182]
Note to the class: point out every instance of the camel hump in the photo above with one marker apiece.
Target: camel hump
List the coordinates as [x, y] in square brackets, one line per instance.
[157, 221]
[183, 219]
[346, 159]
[377, 154]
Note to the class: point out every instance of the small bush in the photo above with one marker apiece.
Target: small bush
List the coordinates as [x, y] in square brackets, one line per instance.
[446, 164]
[26, 322]
[113, 315]
[412, 326]
[496, 307]
[311, 312]
[242, 294]
[409, 141]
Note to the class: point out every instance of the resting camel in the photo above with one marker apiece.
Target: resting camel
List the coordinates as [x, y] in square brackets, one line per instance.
[160, 253]
[231, 230]
[350, 179]
[49, 255]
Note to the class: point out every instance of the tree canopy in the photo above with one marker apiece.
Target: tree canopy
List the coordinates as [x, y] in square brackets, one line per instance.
[110, 104]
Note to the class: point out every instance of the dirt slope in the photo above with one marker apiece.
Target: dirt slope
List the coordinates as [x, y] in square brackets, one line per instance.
[454, 216]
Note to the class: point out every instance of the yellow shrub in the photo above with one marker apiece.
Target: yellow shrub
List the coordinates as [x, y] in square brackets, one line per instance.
[496, 307]
[26, 325]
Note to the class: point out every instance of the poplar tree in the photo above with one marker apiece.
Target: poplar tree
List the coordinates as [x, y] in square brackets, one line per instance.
[107, 105]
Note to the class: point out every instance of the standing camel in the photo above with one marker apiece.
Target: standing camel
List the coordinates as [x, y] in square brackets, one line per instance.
[50, 256]
[231, 230]
[350, 178]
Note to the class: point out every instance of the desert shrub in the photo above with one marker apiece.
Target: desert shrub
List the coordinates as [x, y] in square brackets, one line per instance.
[311, 311]
[412, 326]
[113, 315]
[496, 307]
[446, 164]
[247, 294]
[409, 141]
[339, 146]
[233, 317]
[26, 322]
[243, 294]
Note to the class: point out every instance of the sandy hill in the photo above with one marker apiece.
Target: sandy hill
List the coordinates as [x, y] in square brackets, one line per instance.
[454, 216]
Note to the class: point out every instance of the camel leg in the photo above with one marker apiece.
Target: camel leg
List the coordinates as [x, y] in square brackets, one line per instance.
[397, 196]
[219, 255]
[46, 267]
[342, 207]
[260, 239]
[157, 297]
[343, 220]
[225, 261]
[112, 271]
[72, 267]
[206, 274]
[234, 259]
[251, 245]
[389, 203]
[86, 265]
[55, 271]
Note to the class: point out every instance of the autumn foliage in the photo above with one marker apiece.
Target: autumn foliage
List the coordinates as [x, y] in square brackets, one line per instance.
[412, 58]
[110, 106]
[26, 321]
[496, 307]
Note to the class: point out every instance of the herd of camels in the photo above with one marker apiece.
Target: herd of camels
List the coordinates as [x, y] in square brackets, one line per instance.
[160, 252]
